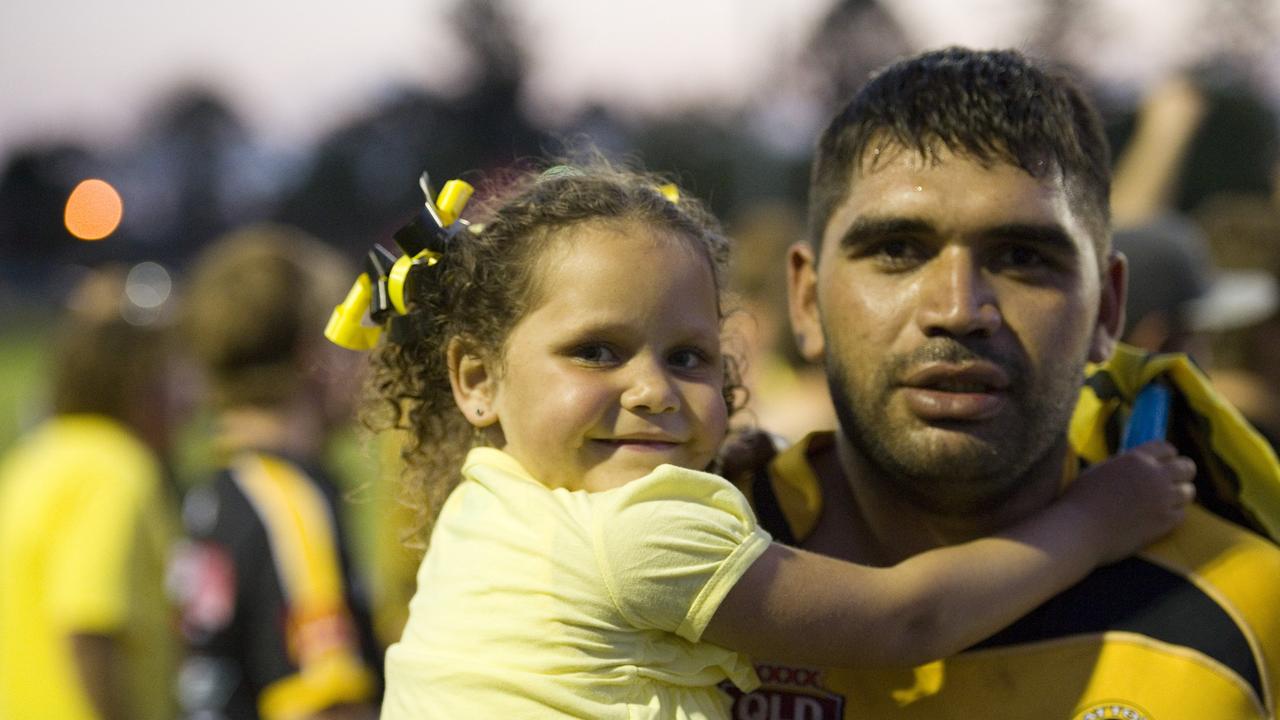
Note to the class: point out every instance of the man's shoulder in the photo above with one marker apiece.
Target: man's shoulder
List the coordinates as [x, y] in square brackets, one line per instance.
[83, 446]
[1205, 539]
[1186, 629]
[1202, 599]
[1238, 568]
[784, 487]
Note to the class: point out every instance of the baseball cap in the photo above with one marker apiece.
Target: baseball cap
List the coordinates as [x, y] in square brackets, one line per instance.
[1171, 270]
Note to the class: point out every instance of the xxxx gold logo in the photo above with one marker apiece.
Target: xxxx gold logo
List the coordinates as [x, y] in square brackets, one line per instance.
[1113, 711]
[786, 693]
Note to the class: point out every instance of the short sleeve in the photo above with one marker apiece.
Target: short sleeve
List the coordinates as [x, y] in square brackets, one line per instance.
[670, 546]
[90, 580]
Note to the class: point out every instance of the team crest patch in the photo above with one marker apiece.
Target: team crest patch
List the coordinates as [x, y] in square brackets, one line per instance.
[1112, 711]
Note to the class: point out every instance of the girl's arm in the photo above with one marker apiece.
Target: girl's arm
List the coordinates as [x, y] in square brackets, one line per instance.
[797, 606]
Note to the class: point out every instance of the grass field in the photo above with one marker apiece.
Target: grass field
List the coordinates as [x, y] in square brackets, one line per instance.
[22, 378]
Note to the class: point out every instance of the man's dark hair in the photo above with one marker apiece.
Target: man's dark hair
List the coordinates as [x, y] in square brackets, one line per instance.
[989, 105]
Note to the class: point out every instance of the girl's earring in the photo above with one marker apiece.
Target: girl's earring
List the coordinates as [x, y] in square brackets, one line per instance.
[479, 412]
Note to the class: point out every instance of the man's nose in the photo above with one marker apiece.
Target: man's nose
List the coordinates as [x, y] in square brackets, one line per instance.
[956, 297]
[649, 387]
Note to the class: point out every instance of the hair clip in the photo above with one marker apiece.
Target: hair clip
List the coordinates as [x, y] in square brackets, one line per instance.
[378, 293]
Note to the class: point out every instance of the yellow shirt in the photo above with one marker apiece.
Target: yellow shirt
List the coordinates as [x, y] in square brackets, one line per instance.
[546, 603]
[84, 532]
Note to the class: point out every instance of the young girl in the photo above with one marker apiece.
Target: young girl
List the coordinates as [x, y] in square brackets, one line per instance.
[583, 564]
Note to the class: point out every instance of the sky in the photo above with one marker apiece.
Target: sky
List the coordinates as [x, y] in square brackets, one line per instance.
[295, 68]
[90, 70]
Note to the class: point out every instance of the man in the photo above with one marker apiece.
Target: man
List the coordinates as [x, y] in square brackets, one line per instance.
[277, 625]
[957, 279]
[87, 519]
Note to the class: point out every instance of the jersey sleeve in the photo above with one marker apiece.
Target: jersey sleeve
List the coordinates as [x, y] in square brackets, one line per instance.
[670, 546]
[90, 581]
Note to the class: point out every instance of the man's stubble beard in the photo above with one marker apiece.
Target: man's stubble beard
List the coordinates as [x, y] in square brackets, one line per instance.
[975, 476]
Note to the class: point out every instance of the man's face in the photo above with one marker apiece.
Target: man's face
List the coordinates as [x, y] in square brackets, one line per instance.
[954, 304]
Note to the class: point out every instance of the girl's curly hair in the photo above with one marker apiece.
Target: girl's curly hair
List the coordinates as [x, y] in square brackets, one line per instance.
[484, 283]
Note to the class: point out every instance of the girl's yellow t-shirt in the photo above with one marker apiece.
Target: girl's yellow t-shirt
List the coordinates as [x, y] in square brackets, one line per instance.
[535, 602]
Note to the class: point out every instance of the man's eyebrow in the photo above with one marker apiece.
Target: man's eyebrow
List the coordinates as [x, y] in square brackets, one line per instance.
[1049, 235]
[869, 229]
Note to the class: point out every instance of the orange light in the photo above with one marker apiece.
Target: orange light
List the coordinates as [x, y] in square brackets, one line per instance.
[94, 210]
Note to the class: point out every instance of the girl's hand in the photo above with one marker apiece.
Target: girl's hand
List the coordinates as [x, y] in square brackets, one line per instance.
[1134, 498]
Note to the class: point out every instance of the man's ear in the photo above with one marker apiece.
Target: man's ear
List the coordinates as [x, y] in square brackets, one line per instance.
[474, 384]
[1111, 298]
[802, 301]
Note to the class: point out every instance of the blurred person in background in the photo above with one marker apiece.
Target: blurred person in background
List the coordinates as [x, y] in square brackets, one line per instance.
[1194, 210]
[273, 610]
[1177, 299]
[1199, 134]
[87, 519]
[1148, 168]
[396, 549]
[788, 396]
[1244, 233]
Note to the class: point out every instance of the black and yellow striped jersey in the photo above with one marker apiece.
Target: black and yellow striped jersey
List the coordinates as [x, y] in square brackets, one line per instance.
[272, 612]
[1187, 629]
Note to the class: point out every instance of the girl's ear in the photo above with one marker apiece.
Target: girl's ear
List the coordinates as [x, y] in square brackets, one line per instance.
[473, 383]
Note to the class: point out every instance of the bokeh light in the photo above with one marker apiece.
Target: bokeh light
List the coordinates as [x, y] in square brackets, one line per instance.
[148, 285]
[147, 288]
[94, 210]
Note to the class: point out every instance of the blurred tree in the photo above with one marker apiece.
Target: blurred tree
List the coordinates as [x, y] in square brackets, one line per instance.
[494, 129]
[34, 187]
[191, 164]
[363, 181]
[718, 161]
[1064, 27]
[1243, 27]
[855, 38]
[33, 193]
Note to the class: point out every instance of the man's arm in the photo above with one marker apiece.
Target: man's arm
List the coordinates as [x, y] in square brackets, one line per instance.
[1147, 171]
